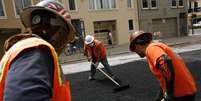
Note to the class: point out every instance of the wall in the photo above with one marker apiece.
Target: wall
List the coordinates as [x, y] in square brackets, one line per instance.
[164, 11]
[121, 15]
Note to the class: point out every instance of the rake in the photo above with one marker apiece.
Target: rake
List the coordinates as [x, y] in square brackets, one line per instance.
[120, 87]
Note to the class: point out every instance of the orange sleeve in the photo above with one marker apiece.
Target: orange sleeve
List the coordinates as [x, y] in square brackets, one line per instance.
[153, 53]
[99, 50]
[86, 51]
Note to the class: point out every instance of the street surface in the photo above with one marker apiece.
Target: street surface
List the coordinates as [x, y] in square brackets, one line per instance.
[130, 69]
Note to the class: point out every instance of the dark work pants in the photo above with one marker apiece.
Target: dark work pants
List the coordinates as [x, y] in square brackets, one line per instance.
[106, 65]
[186, 98]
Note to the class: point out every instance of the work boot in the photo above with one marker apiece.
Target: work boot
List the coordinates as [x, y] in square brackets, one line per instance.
[91, 78]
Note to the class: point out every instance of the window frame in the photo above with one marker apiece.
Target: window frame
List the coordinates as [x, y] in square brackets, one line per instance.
[43, 0]
[147, 4]
[116, 5]
[76, 8]
[172, 5]
[180, 5]
[4, 11]
[130, 30]
[156, 4]
[95, 6]
[14, 6]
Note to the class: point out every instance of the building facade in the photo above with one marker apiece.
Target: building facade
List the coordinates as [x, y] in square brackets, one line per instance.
[9, 19]
[166, 16]
[194, 13]
[99, 17]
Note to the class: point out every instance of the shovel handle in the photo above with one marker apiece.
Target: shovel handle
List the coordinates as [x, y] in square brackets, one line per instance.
[108, 76]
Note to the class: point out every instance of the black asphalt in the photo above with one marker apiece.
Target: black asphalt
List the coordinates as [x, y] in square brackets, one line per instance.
[137, 74]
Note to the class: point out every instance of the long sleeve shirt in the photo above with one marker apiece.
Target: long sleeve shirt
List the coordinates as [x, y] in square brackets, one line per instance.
[30, 77]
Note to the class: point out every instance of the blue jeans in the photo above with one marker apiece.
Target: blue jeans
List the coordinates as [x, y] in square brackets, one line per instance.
[106, 65]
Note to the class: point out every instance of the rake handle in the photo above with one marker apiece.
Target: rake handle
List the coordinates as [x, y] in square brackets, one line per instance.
[108, 76]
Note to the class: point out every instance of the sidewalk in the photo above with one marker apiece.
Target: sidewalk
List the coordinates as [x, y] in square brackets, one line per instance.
[123, 49]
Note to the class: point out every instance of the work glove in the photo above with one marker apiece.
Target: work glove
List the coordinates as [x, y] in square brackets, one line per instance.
[163, 100]
[95, 64]
[167, 97]
[88, 59]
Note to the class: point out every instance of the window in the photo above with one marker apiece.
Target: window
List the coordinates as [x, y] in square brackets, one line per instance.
[2, 9]
[102, 4]
[181, 3]
[153, 3]
[173, 3]
[130, 3]
[196, 8]
[72, 5]
[130, 25]
[20, 4]
[91, 4]
[43, 0]
[144, 4]
[113, 3]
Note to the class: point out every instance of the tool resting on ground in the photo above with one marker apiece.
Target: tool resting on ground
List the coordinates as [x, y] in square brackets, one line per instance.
[120, 87]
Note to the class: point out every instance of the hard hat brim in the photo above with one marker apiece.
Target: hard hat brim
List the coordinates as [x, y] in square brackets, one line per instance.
[132, 42]
[139, 34]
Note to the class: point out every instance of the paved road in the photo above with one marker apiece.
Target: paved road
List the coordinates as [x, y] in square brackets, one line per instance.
[136, 73]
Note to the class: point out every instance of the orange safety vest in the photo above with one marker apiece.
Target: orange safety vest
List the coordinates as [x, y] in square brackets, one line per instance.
[97, 47]
[184, 83]
[61, 88]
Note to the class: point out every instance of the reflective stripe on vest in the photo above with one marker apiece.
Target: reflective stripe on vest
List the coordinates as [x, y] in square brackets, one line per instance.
[61, 88]
[184, 83]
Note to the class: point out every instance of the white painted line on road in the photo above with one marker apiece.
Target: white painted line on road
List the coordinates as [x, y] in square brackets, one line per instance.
[117, 60]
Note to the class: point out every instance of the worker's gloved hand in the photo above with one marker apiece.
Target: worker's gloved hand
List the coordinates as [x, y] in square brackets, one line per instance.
[167, 97]
[88, 59]
[95, 64]
[163, 100]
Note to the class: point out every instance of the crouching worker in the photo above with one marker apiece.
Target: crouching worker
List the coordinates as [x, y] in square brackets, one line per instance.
[96, 52]
[30, 69]
[176, 82]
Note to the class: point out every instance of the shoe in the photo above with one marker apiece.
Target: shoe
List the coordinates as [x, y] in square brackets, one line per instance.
[91, 78]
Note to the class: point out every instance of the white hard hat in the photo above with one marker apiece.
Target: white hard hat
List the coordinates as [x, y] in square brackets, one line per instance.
[89, 39]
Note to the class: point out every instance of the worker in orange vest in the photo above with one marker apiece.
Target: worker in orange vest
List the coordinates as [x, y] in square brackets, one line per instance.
[96, 52]
[30, 70]
[176, 82]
